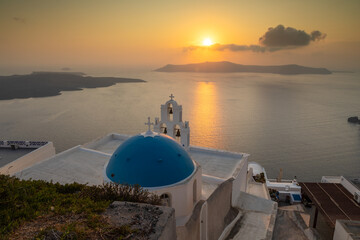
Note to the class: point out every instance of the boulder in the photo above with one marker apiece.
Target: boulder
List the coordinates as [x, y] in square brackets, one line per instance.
[353, 119]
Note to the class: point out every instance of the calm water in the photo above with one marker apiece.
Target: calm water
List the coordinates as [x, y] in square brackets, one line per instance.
[298, 123]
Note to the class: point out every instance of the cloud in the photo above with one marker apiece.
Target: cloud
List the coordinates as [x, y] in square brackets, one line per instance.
[233, 48]
[286, 37]
[236, 48]
[19, 20]
[275, 39]
[317, 35]
[230, 47]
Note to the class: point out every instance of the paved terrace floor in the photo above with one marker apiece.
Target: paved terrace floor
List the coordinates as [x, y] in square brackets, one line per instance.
[75, 165]
[214, 162]
[85, 164]
[107, 144]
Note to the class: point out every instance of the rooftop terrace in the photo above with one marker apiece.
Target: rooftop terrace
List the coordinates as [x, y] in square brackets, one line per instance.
[85, 163]
[333, 201]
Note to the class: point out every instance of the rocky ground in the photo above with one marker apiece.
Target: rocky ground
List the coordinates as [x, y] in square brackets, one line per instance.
[143, 218]
[122, 219]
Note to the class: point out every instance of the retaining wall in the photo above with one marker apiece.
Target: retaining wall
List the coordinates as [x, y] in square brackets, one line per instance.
[44, 152]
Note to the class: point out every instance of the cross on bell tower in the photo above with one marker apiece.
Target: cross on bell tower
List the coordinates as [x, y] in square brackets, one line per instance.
[149, 123]
[172, 96]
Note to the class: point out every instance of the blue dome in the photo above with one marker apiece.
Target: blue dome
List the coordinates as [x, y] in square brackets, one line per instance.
[150, 161]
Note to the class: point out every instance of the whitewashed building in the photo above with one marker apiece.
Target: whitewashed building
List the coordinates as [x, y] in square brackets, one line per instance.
[161, 165]
[203, 185]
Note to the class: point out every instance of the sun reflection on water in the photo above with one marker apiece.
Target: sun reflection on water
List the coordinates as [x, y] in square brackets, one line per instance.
[205, 129]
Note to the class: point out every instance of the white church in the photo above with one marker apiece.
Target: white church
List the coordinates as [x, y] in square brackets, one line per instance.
[205, 186]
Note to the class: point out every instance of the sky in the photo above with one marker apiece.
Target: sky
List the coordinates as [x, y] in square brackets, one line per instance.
[128, 34]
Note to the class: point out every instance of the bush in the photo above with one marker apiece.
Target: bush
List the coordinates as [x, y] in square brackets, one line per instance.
[23, 200]
[260, 178]
[117, 192]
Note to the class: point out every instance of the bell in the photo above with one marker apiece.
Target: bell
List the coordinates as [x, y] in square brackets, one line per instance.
[178, 133]
[165, 131]
[171, 111]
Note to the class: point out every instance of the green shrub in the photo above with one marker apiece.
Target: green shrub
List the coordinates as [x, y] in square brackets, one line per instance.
[23, 200]
[117, 192]
[260, 178]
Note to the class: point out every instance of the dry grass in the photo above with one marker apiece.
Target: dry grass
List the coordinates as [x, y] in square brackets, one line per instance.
[72, 211]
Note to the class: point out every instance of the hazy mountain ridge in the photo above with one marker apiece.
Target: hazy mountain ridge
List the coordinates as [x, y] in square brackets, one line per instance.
[224, 67]
[46, 84]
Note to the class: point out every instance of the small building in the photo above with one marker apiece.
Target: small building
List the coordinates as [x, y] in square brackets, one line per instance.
[335, 199]
[286, 190]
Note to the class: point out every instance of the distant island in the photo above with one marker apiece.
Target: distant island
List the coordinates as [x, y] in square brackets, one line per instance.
[342, 71]
[227, 67]
[46, 84]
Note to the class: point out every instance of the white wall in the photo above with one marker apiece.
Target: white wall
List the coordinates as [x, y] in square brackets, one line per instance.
[22, 144]
[343, 181]
[331, 179]
[182, 194]
[348, 185]
[240, 179]
[29, 159]
[340, 233]
[286, 187]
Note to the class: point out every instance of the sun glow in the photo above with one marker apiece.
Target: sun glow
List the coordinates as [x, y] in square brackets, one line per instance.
[207, 42]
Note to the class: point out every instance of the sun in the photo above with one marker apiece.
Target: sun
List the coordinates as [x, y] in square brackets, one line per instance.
[207, 42]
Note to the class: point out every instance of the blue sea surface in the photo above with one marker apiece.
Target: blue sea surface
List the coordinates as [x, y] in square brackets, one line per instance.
[297, 123]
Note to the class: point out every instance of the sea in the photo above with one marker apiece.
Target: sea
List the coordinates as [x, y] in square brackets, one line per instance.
[297, 123]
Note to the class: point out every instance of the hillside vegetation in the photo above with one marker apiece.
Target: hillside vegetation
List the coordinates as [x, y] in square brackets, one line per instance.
[71, 211]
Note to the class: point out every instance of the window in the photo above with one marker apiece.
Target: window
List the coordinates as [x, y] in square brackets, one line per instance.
[165, 199]
[177, 132]
[163, 128]
[170, 112]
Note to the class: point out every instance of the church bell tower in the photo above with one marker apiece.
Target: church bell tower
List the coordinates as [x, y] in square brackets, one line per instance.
[171, 122]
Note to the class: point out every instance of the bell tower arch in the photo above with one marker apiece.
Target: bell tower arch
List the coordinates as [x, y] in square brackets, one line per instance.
[171, 122]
